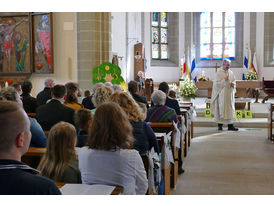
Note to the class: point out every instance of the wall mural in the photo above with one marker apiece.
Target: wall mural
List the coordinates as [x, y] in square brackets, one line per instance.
[25, 44]
[14, 45]
[42, 43]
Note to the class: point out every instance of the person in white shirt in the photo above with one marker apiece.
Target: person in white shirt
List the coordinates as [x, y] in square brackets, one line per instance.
[108, 158]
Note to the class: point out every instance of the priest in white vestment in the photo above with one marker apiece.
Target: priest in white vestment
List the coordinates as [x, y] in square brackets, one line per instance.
[223, 97]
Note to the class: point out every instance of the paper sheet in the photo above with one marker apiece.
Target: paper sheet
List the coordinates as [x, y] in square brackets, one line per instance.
[83, 189]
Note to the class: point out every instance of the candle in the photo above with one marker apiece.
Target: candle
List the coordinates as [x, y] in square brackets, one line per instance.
[203, 73]
[6, 84]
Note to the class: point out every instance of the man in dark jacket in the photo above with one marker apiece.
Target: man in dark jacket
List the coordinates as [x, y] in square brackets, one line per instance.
[55, 111]
[45, 95]
[134, 91]
[29, 102]
[172, 103]
[17, 178]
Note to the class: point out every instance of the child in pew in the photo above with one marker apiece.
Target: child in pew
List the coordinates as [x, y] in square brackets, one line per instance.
[109, 158]
[60, 162]
[82, 119]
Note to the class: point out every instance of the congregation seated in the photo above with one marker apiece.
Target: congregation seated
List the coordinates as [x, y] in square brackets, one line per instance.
[133, 88]
[60, 162]
[142, 132]
[45, 95]
[29, 102]
[71, 99]
[87, 101]
[82, 119]
[55, 111]
[160, 112]
[38, 137]
[17, 178]
[101, 95]
[109, 158]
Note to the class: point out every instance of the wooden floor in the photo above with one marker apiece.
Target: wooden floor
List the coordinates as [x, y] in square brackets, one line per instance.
[228, 163]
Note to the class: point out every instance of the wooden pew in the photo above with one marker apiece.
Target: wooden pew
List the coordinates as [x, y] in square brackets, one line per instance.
[187, 106]
[183, 136]
[270, 121]
[166, 127]
[33, 156]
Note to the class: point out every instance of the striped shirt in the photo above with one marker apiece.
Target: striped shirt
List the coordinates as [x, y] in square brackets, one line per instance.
[161, 113]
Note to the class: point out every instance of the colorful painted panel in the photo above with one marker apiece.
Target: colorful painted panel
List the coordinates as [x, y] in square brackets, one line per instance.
[217, 19]
[229, 51]
[205, 51]
[155, 35]
[42, 43]
[155, 51]
[164, 19]
[205, 19]
[205, 36]
[217, 35]
[15, 45]
[229, 19]
[217, 51]
[154, 19]
[163, 51]
[229, 35]
[163, 36]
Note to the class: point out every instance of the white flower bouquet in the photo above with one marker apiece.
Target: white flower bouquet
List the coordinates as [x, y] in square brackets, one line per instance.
[251, 75]
[187, 88]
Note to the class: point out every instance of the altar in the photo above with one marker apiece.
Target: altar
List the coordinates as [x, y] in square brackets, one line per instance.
[241, 86]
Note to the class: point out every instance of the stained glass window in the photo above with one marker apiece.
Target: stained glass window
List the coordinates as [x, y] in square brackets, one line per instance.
[155, 35]
[159, 32]
[163, 51]
[217, 35]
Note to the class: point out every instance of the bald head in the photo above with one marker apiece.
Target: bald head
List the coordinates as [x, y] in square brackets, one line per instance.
[14, 122]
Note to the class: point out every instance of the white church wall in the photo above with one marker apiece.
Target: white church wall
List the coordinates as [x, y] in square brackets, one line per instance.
[118, 35]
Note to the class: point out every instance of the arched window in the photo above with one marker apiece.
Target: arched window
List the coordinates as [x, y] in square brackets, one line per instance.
[159, 31]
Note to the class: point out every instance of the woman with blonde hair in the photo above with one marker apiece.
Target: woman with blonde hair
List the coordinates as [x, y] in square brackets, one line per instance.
[109, 158]
[60, 162]
[142, 132]
[101, 95]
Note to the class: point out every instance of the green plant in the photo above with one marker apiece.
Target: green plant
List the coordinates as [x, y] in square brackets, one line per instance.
[187, 88]
[251, 75]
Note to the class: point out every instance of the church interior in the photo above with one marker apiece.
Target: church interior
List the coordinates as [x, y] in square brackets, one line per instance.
[183, 49]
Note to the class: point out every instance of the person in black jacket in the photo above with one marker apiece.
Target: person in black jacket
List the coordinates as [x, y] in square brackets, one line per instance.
[55, 111]
[45, 95]
[17, 178]
[29, 102]
[172, 103]
[134, 91]
[142, 132]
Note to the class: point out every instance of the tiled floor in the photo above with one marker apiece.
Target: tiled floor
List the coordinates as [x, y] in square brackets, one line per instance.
[228, 163]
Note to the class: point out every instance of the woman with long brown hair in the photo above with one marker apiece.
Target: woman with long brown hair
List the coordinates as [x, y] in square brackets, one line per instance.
[109, 158]
[60, 162]
[142, 132]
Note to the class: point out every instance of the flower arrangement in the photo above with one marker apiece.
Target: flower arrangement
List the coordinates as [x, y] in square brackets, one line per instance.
[187, 88]
[251, 75]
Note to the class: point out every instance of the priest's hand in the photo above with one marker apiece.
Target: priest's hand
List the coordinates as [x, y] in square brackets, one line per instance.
[232, 85]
